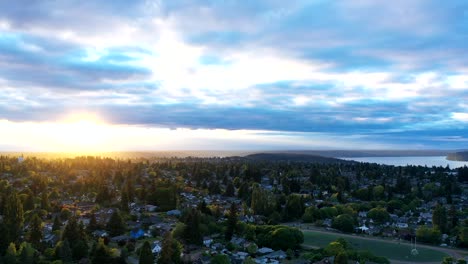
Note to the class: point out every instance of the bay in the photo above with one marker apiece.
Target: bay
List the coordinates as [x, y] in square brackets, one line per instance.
[428, 161]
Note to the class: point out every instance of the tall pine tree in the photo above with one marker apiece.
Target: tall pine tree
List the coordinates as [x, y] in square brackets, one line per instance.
[146, 255]
[13, 216]
[231, 222]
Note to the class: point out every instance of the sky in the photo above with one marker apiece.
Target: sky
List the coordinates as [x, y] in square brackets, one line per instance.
[233, 75]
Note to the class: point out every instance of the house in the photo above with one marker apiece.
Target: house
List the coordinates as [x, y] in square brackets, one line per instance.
[207, 241]
[363, 229]
[238, 241]
[100, 233]
[174, 212]
[240, 255]
[264, 250]
[137, 233]
[279, 254]
[51, 239]
[156, 247]
[150, 208]
[402, 225]
[120, 239]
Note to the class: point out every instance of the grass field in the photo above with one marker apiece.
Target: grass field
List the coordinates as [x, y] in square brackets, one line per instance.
[389, 250]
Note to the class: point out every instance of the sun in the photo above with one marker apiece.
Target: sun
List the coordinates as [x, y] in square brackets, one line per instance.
[82, 132]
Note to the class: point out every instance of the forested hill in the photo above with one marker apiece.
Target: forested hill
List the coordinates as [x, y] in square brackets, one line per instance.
[294, 157]
[458, 156]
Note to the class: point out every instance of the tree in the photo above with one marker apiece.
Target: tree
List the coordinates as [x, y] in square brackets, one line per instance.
[146, 255]
[311, 214]
[35, 231]
[379, 214]
[93, 225]
[10, 256]
[170, 250]
[439, 218]
[428, 235]
[101, 253]
[344, 223]
[26, 255]
[263, 201]
[220, 259]
[341, 258]
[294, 208]
[71, 231]
[231, 222]
[124, 200]
[63, 251]
[29, 203]
[13, 216]
[286, 238]
[45, 201]
[452, 217]
[463, 236]
[230, 190]
[116, 225]
[57, 224]
[192, 233]
[80, 250]
[4, 242]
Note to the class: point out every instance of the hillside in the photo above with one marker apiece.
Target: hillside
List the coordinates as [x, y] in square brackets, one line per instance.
[458, 156]
[295, 157]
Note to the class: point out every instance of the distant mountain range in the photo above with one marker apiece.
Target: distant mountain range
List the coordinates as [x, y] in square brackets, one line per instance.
[458, 156]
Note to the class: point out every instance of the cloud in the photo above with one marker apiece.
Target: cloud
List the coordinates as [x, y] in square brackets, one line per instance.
[356, 67]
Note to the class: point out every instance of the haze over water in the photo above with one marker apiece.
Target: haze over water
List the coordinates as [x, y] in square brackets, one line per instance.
[417, 161]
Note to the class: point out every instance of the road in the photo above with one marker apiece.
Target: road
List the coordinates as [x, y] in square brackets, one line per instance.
[456, 253]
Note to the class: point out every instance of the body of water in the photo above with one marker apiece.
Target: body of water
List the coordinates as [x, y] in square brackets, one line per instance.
[417, 161]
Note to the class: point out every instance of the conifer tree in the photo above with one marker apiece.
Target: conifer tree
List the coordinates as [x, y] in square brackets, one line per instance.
[116, 225]
[231, 222]
[10, 256]
[146, 255]
[35, 232]
[13, 216]
[57, 224]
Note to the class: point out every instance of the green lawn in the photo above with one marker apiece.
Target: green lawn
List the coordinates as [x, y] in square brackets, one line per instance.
[379, 248]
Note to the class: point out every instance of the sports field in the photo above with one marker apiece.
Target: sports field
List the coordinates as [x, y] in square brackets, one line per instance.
[390, 250]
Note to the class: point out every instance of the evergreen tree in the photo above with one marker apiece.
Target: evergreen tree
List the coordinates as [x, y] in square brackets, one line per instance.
[29, 203]
[101, 253]
[63, 251]
[26, 255]
[45, 201]
[230, 190]
[171, 250]
[71, 232]
[57, 224]
[93, 225]
[192, 233]
[166, 249]
[146, 255]
[116, 225]
[341, 258]
[439, 218]
[35, 231]
[10, 256]
[80, 250]
[231, 222]
[13, 216]
[453, 218]
[3, 239]
[124, 200]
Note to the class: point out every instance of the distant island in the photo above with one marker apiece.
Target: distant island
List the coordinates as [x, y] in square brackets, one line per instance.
[458, 156]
